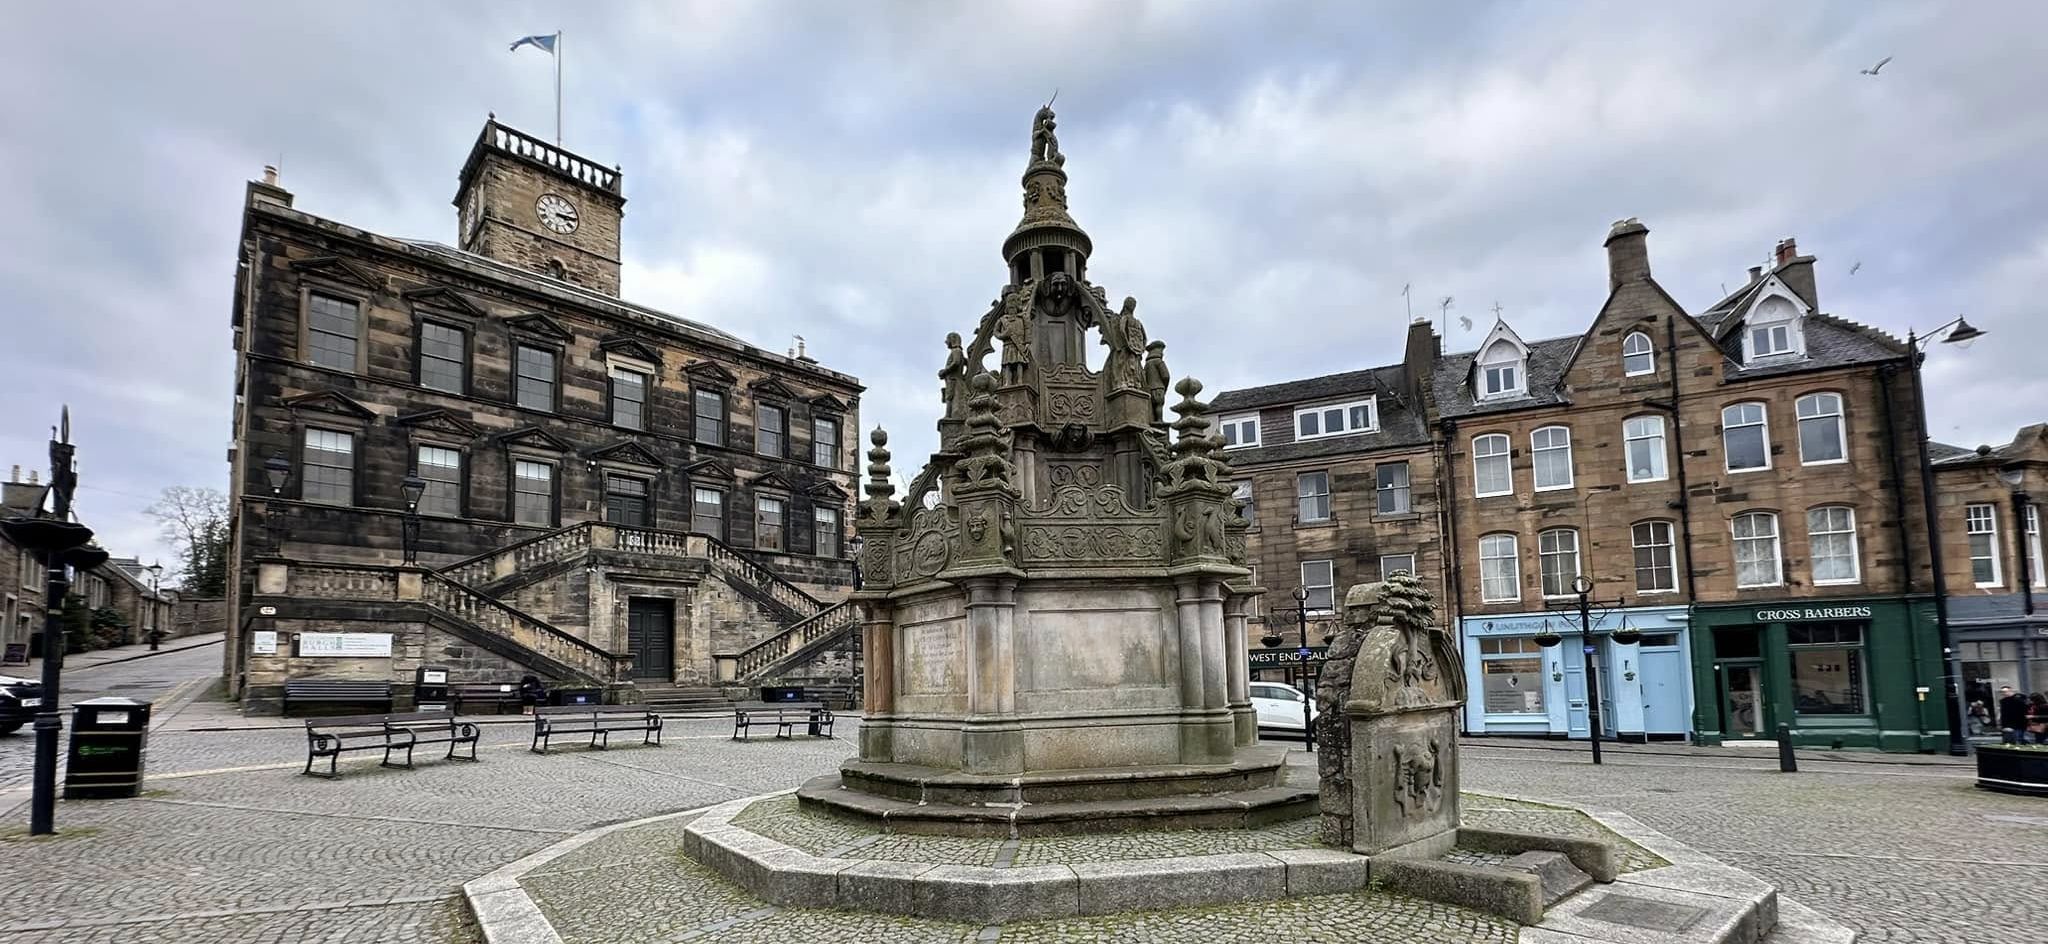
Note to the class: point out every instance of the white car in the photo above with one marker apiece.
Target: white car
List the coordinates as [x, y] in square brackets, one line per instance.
[1279, 705]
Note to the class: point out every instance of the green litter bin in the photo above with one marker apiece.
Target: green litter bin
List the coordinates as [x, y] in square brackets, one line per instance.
[107, 739]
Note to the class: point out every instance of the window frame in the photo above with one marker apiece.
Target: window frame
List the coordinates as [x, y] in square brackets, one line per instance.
[1762, 424]
[355, 466]
[1795, 341]
[1328, 507]
[699, 391]
[1841, 418]
[604, 503]
[1514, 559]
[1384, 558]
[1235, 424]
[1307, 606]
[724, 518]
[1405, 491]
[612, 399]
[819, 513]
[1536, 452]
[1855, 548]
[1321, 411]
[1628, 441]
[1544, 556]
[1516, 361]
[2032, 523]
[762, 408]
[361, 303]
[781, 528]
[554, 353]
[1524, 650]
[1777, 539]
[838, 424]
[464, 364]
[1990, 534]
[1670, 546]
[1506, 456]
[554, 492]
[1649, 350]
[461, 481]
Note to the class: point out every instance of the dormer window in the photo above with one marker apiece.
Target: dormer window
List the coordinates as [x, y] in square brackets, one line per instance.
[1502, 371]
[1337, 419]
[1773, 330]
[1241, 430]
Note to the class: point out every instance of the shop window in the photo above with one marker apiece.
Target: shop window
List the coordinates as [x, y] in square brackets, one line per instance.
[1827, 668]
[1511, 676]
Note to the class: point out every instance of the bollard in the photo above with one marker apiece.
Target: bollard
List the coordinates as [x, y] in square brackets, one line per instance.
[1787, 763]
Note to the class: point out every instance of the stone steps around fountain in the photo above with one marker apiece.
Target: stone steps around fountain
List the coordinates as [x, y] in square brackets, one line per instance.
[1236, 809]
[1254, 767]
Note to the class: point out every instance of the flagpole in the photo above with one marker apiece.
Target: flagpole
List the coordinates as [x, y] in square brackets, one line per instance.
[558, 88]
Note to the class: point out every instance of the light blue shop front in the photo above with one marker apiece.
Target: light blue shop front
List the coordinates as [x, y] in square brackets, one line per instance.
[1520, 687]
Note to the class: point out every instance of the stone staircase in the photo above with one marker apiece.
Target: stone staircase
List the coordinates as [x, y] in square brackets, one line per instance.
[797, 644]
[679, 699]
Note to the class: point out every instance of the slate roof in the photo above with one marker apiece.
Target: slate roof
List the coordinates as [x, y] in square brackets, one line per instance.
[1830, 341]
[1402, 422]
[1547, 360]
[1995, 608]
[1945, 454]
[1940, 452]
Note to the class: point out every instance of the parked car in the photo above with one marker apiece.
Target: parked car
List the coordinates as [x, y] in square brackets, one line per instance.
[1279, 706]
[20, 699]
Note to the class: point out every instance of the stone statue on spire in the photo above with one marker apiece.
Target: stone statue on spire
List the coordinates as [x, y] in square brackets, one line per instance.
[1045, 145]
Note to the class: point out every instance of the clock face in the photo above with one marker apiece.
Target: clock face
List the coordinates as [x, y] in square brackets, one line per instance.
[556, 213]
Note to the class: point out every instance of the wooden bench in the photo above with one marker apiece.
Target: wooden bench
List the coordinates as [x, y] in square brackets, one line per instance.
[839, 695]
[336, 691]
[498, 695]
[333, 737]
[783, 715]
[598, 721]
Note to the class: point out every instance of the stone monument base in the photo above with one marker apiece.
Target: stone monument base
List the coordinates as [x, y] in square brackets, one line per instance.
[1252, 790]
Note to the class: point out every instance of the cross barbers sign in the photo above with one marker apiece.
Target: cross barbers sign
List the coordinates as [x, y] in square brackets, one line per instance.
[1813, 613]
[1267, 658]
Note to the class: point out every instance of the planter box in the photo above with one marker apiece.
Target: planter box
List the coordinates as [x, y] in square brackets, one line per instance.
[2013, 770]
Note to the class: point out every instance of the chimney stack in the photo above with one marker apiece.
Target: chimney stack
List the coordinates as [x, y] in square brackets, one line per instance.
[270, 175]
[268, 190]
[31, 476]
[1787, 250]
[1795, 270]
[1628, 252]
[16, 477]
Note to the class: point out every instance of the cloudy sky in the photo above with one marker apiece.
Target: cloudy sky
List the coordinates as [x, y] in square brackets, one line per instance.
[1264, 177]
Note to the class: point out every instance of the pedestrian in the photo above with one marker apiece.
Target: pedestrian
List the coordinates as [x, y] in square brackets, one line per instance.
[2037, 717]
[531, 693]
[1980, 718]
[2012, 715]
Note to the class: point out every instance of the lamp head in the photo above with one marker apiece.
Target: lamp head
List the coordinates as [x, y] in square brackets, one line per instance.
[277, 470]
[1301, 595]
[857, 544]
[412, 487]
[1963, 334]
[2012, 475]
[1582, 585]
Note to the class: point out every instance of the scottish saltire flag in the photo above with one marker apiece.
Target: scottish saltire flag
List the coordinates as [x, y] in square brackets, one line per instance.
[546, 42]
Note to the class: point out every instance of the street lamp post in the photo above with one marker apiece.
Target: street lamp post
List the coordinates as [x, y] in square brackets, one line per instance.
[1582, 586]
[156, 635]
[277, 470]
[1308, 734]
[411, 487]
[1960, 334]
[60, 543]
[854, 547]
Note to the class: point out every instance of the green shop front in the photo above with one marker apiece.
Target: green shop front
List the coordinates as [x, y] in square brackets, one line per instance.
[1841, 673]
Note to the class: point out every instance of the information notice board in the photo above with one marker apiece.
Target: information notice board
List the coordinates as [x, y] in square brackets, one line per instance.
[345, 645]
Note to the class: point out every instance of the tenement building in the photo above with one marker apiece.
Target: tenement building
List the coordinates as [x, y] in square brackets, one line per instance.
[1736, 491]
[479, 458]
[1996, 580]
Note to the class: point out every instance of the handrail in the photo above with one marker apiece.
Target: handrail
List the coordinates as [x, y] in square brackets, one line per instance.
[826, 622]
[465, 569]
[552, 642]
[782, 591]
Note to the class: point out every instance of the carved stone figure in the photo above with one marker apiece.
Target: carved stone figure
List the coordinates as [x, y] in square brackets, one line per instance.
[1418, 780]
[954, 377]
[1124, 335]
[1045, 144]
[1156, 378]
[1014, 330]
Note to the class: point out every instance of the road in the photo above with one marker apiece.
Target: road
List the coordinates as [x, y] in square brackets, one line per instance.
[148, 679]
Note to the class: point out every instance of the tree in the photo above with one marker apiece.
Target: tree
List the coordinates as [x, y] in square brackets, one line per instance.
[195, 521]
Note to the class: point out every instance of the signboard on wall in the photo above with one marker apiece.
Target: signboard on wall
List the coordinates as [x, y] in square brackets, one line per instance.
[263, 643]
[17, 654]
[345, 645]
[1267, 658]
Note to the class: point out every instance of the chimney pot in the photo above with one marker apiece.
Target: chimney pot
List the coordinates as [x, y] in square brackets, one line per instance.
[1788, 249]
[16, 477]
[1628, 252]
[270, 174]
[1755, 273]
[31, 476]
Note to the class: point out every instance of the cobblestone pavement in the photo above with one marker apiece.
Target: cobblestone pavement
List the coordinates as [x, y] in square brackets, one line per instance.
[634, 887]
[149, 679]
[230, 839]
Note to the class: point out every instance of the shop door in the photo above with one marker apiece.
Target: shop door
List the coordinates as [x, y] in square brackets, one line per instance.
[651, 638]
[1742, 699]
[1663, 691]
[1576, 719]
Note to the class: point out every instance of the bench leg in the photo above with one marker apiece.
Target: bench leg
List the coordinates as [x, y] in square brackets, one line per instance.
[540, 744]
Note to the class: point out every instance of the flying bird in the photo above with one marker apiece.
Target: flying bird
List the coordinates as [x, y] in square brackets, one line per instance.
[1880, 64]
[1465, 322]
[1853, 268]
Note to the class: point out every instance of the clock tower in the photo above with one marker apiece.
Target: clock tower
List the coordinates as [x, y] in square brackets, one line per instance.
[528, 203]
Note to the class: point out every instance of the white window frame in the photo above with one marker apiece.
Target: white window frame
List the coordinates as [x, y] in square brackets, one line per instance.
[1544, 551]
[1490, 556]
[1855, 547]
[1329, 504]
[1777, 545]
[1384, 558]
[1795, 340]
[1628, 440]
[1981, 520]
[1405, 490]
[1841, 418]
[1488, 363]
[1629, 348]
[1536, 451]
[1238, 425]
[1670, 545]
[1505, 455]
[1330, 584]
[1762, 422]
[2034, 545]
[1321, 412]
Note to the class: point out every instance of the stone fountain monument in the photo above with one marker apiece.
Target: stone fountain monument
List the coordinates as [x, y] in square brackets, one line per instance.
[1054, 614]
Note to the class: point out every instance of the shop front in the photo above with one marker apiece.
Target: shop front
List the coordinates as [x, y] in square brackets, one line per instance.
[1862, 673]
[2001, 640]
[1520, 687]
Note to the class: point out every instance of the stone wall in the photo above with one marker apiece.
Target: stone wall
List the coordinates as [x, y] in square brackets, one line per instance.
[195, 616]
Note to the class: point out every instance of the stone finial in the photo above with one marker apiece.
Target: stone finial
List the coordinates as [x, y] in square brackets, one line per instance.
[1194, 463]
[881, 504]
[987, 463]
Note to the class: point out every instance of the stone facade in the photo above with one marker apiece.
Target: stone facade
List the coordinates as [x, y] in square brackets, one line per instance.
[511, 377]
[1989, 508]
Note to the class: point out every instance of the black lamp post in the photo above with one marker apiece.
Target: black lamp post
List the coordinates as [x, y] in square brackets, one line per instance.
[854, 547]
[1960, 334]
[1308, 734]
[412, 487]
[1582, 587]
[60, 543]
[156, 635]
[277, 470]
